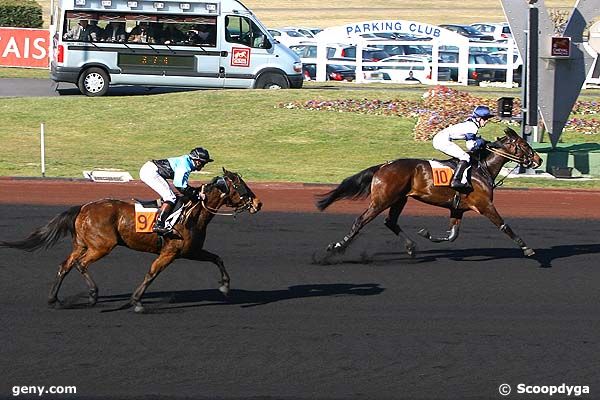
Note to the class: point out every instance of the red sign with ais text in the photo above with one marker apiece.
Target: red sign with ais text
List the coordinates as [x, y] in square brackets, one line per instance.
[240, 57]
[20, 47]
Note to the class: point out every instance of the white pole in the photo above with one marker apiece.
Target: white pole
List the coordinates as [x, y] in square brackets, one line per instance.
[43, 150]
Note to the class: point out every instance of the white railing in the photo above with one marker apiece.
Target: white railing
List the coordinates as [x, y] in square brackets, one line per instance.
[435, 60]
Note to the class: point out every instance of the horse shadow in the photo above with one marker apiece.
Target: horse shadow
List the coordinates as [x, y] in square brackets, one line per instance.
[545, 257]
[245, 298]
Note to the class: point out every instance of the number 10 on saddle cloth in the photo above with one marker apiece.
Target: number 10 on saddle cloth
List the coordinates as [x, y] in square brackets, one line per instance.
[442, 173]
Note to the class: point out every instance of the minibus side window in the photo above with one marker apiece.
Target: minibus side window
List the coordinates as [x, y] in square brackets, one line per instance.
[81, 28]
[119, 27]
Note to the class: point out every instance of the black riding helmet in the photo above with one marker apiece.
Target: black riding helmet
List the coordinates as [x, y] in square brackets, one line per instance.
[200, 153]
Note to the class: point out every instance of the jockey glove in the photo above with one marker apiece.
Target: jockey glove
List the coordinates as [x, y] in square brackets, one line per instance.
[471, 136]
[478, 144]
[191, 192]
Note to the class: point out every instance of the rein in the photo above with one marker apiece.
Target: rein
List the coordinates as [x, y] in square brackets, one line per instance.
[501, 181]
[505, 155]
[215, 211]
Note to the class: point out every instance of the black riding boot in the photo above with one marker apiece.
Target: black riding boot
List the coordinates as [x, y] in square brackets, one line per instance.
[456, 182]
[163, 213]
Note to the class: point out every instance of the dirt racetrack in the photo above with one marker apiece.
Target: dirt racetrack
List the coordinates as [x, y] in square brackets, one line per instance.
[455, 322]
[300, 197]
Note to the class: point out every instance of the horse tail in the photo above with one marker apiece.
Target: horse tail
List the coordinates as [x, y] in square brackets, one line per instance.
[353, 187]
[47, 235]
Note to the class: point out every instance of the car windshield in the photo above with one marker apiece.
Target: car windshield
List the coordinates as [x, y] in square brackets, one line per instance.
[471, 30]
[293, 33]
[482, 59]
[375, 55]
[299, 50]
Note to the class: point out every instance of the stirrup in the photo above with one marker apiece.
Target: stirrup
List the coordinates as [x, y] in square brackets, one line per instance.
[160, 230]
[459, 185]
[456, 200]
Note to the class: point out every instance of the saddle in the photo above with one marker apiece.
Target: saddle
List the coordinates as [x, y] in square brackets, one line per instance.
[146, 211]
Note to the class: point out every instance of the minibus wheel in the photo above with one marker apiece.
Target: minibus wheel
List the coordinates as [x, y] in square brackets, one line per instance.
[272, 81]
[93, 82]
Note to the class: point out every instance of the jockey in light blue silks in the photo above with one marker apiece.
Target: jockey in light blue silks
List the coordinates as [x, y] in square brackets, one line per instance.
[155, 173]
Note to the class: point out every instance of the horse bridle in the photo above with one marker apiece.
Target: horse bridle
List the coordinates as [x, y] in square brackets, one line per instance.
[244, 195]
[526, 159]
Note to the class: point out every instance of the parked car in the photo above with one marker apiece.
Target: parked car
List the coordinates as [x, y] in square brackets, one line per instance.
[370, 54]
[308, 56]
[475, 74]
[468, 31]
[501, 56]
[406, 49]
[392, 36]
[303, 31]
[288, 37]
[410, 69]
[314, 31]
[305, 51]
[500, 31]
[334, 72]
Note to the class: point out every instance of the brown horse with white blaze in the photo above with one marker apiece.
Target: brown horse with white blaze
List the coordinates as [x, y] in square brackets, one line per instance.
[98, 227]
[391, 184]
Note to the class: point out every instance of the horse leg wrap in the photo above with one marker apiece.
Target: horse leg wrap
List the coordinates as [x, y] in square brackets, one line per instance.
[452, 235]
[506, 229]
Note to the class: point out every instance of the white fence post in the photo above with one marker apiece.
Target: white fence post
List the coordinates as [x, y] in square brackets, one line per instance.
[43, 150]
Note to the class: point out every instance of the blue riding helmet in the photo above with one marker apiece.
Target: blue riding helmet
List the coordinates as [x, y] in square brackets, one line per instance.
[483, 112]
[200, 153]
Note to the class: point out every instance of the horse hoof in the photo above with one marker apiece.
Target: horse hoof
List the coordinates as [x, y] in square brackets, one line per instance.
[528, 252]
[336, 247]
[139, 308]
[224, 289]
[54, 303]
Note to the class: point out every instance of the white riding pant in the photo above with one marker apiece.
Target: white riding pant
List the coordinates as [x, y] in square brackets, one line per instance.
[149, 175]
[443, 143]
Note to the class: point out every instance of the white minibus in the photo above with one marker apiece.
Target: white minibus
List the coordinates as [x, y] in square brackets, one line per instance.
[183, 43]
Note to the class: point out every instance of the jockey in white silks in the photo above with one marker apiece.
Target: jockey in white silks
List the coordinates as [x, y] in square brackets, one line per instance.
[443, 141]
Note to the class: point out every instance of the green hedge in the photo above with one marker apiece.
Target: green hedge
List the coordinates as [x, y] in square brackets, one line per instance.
[20, 13]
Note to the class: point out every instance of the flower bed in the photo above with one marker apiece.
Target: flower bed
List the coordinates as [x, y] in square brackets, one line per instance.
[441, 106]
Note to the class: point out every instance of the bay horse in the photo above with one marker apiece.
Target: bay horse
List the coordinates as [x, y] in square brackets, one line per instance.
[391, 184]
[98, 227]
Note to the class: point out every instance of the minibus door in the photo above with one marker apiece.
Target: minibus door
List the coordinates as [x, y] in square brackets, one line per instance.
[248, 50]
[209, 68]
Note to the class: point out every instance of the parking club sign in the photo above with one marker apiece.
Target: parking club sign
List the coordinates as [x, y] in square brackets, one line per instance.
[240, 57]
